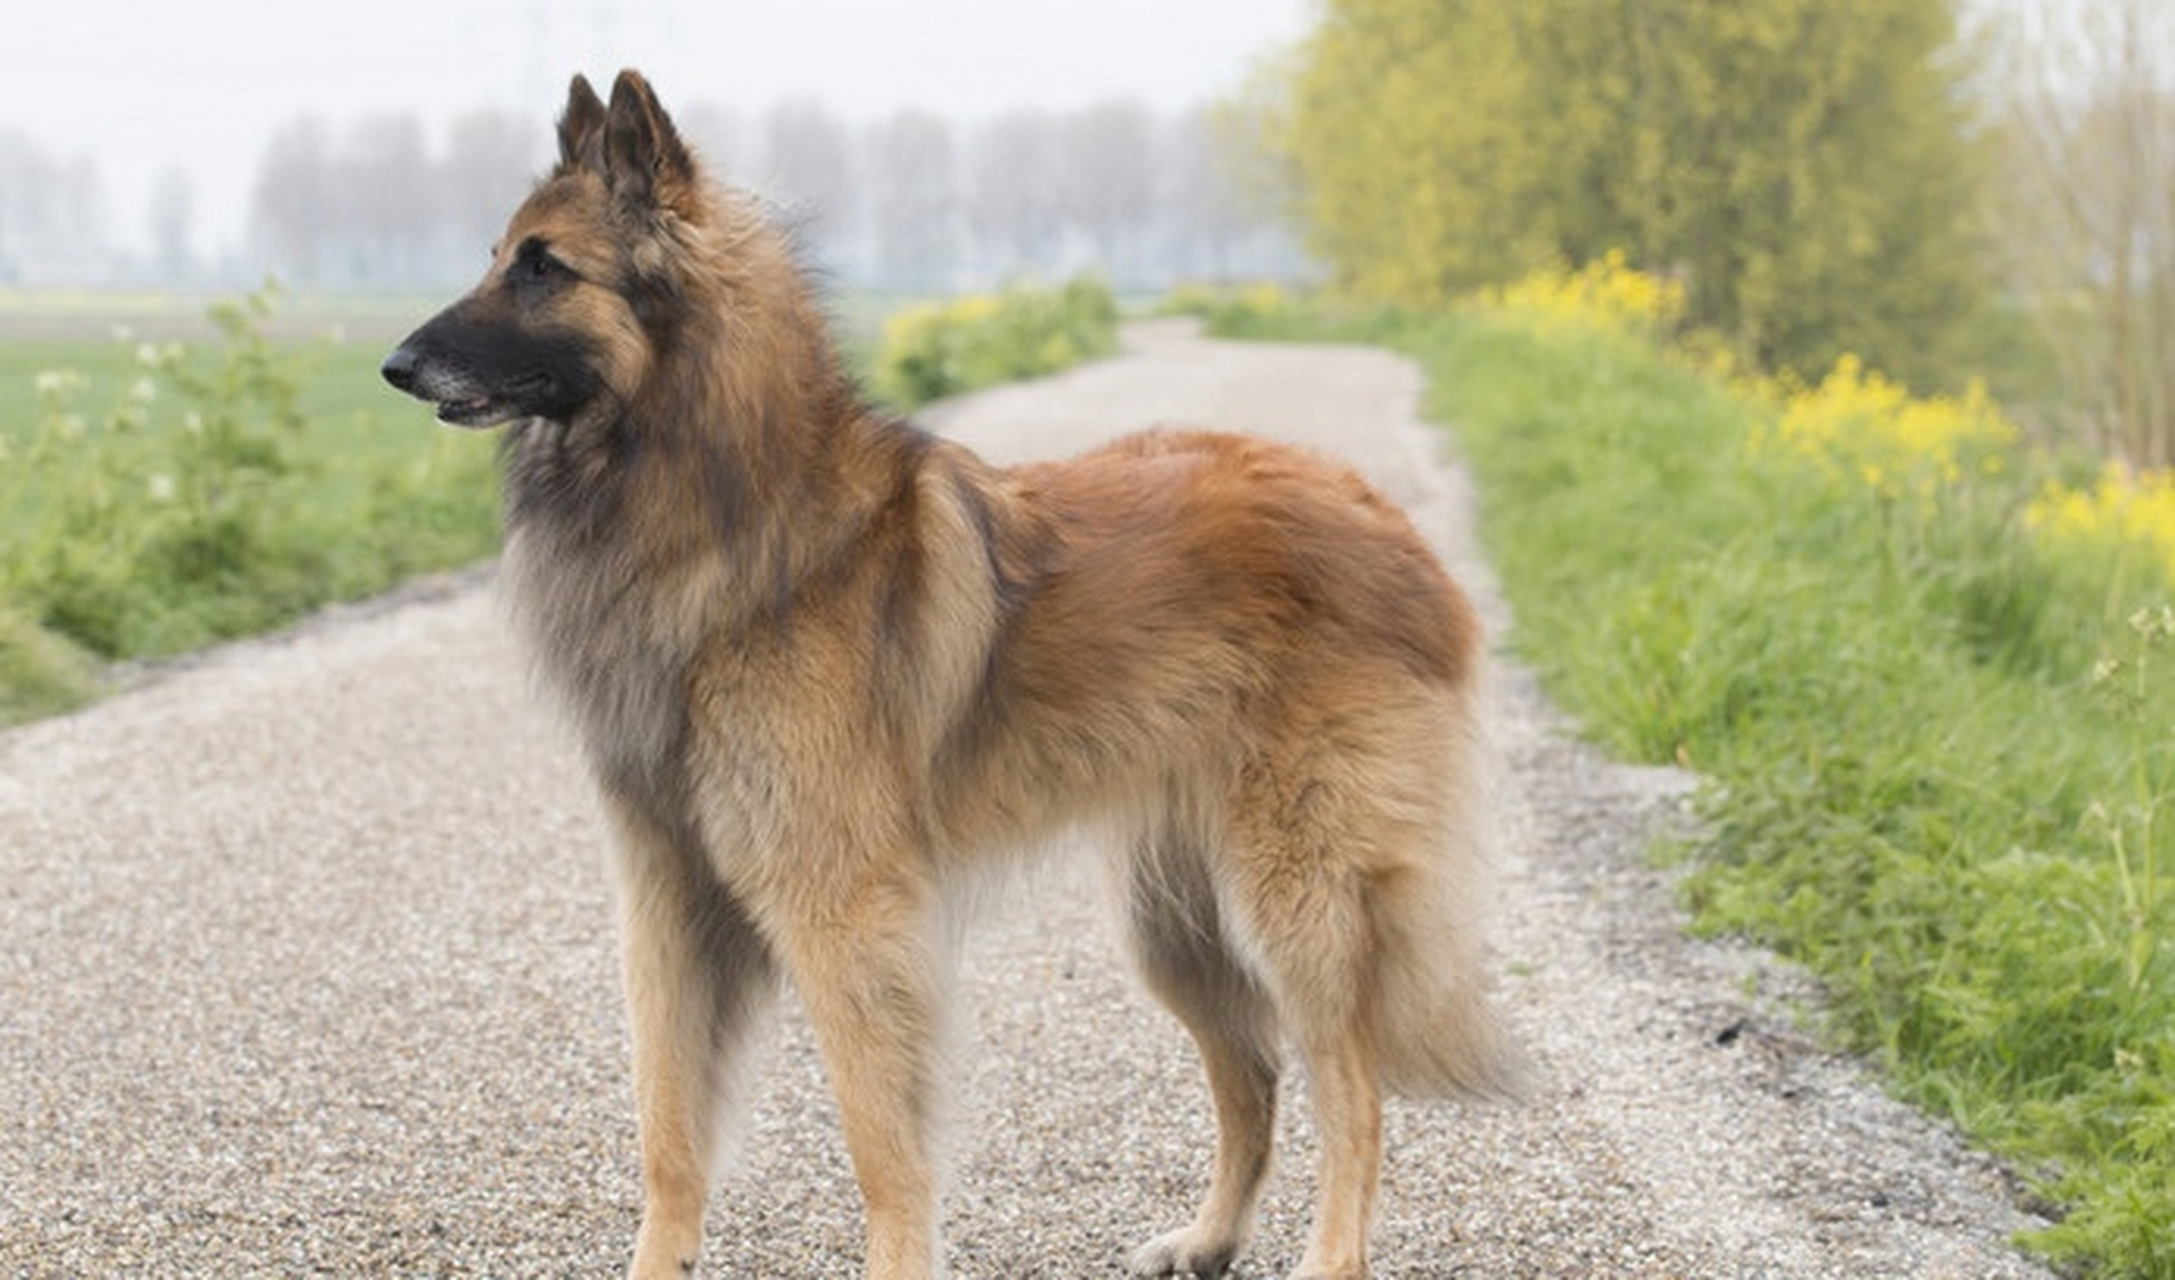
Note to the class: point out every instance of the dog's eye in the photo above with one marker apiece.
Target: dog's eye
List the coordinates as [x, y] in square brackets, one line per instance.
[534, 264]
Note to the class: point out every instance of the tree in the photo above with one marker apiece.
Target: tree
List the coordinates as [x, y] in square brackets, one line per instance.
[2087, 207]
[52, 213]
[293, 205]
[491, 159]
[809, 158]
[913, 201]
[1106, 180]
[383, 167]
[170, 215]
[1013, 192]
[1804, 166]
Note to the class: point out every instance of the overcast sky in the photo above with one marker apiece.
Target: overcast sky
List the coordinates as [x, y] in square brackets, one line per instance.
[145, 85]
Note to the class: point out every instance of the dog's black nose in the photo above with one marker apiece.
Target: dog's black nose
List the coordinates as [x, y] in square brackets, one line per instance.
[399, 368]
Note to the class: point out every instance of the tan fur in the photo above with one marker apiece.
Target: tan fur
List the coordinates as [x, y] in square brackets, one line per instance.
[827, 666]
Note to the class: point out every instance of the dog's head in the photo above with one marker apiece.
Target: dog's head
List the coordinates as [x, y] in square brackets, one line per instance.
[580, 291]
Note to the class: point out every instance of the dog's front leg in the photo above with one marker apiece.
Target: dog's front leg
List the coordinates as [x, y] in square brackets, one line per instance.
[697, 976]
[863, 959]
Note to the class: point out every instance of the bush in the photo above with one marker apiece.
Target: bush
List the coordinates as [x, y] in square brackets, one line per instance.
[40, 673]
[200, 506]
[1240, 311]
[949, 348]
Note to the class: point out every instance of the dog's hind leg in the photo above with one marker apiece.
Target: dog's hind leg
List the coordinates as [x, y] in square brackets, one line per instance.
[1303, 865]
[1176, 940]
[698, 976]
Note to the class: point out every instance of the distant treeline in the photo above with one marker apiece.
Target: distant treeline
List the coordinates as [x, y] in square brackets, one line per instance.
[914, 203]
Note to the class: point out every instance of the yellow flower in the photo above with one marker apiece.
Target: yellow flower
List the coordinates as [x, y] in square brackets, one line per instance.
[2126, 506]
[1856, 422]
[1607, 295]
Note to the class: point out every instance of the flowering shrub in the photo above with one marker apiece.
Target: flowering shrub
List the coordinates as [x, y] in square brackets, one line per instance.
[946, 348]
[1858, 423]
[1606, 295]
[2124, 506]
[187, 497]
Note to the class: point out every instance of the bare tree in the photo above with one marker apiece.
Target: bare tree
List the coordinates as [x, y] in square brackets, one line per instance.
[171, 216]
[1107, 181]
[2088, 207]
[292, 207]
[385, 168]
[808, 157]
[491, 158]
[1013, 191]
[913, 201]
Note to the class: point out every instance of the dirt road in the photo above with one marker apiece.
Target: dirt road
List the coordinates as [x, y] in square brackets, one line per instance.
[306, 968]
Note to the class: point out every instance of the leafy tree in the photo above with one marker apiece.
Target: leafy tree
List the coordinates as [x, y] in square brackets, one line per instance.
[1805, 167]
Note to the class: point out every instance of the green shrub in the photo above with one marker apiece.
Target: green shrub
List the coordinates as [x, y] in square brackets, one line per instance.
[203, 504]
[948, 348]
[1240, 311]
[40, 673]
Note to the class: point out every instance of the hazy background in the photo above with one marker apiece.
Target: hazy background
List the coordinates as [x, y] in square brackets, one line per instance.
[352, 144]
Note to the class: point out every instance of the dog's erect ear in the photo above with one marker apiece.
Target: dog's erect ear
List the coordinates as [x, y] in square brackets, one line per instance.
[581, 128]
[644, 158]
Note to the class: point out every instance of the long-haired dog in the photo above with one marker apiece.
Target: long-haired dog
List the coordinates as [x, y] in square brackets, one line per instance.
[826, 666]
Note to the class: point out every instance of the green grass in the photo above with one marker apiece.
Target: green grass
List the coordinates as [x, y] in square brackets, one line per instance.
[1914, 790]
[1938, 753]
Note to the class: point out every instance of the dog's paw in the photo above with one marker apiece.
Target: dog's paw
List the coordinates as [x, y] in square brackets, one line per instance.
[1185, 1253]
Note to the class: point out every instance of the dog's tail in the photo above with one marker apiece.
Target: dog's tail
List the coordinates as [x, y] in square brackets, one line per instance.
[1437, 1030]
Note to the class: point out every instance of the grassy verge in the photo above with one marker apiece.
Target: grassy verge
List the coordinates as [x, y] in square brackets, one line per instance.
[1936, 721]
[160, 496]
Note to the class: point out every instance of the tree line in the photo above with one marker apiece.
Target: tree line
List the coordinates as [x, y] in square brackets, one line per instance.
[914, 203]
[1944, 190]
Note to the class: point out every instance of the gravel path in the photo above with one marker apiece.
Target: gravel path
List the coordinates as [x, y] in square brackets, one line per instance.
[306, 968]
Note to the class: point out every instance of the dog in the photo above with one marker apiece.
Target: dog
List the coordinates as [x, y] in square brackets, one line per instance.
[827, 668]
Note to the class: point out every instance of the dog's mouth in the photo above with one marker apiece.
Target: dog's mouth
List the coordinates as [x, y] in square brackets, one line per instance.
[468, 392]
[460, 406]
[485, 411]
